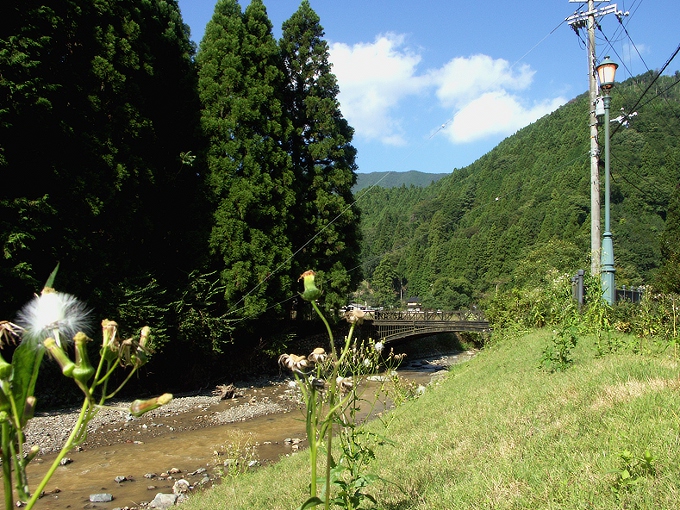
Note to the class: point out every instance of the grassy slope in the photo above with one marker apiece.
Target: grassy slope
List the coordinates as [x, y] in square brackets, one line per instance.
[499, 433]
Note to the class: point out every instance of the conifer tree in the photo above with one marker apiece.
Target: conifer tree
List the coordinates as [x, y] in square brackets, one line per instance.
[240, 80]
[98, 103]
[326, 224]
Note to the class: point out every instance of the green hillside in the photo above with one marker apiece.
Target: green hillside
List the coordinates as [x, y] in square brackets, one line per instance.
[395, 179]
[500, 433]
[525, 206]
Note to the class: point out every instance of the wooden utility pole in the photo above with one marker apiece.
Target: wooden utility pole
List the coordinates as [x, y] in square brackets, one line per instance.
[595, 245]
[579, 20]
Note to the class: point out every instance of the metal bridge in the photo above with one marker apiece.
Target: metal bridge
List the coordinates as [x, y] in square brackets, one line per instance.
[394, 325]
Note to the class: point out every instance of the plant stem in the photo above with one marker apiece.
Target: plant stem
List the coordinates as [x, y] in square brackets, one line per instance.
[7, 467]
[328, 327]
[64, 450]
[311, 438]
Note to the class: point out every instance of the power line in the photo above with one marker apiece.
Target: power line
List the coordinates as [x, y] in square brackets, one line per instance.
[234, 308]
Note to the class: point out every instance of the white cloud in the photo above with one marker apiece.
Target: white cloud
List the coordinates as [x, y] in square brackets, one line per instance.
[378, 80]
[374, 78]
[495, 113]
[464, 78]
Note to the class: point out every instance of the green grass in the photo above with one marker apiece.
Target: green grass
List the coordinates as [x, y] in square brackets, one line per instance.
[500, 433]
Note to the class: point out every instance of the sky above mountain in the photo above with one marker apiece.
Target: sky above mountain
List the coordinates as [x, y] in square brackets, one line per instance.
[434, 85]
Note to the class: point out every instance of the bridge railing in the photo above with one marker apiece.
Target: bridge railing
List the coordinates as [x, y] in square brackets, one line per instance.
[427, 315]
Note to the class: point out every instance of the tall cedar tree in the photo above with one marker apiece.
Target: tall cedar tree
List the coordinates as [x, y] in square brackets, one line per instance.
[240, 80]
[326, 227]
[98, 99]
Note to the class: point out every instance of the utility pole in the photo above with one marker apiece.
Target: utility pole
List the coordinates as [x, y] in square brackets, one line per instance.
[576, 21]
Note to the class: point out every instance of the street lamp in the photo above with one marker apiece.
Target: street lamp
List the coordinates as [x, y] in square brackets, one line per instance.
[606, 72]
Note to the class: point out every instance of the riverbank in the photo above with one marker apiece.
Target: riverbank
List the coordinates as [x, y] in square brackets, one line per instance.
[252, 398]
[498, 432]
[114, 424]
[192, 437]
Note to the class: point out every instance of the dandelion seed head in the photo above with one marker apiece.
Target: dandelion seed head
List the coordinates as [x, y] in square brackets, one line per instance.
[53, 314]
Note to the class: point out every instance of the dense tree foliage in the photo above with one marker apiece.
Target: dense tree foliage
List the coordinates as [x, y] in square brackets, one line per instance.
[325, 226]
[524, 209]
[98, 107]
[249, 170]
[178, 192]
[667, 277]
[187, 193]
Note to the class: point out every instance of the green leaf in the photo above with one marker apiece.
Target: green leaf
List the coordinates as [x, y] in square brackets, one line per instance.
[311, 503]
[25, 366]
[53, 275]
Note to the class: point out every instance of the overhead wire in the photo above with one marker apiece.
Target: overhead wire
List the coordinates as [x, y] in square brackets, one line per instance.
[235, 307]
[365, 192]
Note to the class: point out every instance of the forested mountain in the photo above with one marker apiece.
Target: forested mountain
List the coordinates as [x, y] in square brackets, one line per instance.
[395, 179]
[525, 206]
[189, 190]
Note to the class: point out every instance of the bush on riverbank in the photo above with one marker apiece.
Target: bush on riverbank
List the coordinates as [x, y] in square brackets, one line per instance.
[499, 432]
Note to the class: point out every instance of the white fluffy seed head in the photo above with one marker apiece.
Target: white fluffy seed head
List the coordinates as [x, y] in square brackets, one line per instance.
[53, 314]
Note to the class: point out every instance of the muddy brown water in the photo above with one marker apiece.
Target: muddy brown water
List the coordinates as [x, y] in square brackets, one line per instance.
[173, 444]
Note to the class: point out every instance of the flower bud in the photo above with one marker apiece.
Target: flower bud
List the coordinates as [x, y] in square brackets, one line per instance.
[311, 292]
[29, 410]
[109, 330]
[59, 356]
[144, 337]
[35, 449]
[83, 370]
[139, 407]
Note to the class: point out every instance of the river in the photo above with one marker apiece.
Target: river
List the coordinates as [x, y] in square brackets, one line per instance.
[148, 457]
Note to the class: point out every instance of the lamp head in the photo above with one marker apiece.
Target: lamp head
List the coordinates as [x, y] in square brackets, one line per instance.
[606, 72]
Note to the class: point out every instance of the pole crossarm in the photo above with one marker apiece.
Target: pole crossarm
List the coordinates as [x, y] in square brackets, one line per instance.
[579, 19]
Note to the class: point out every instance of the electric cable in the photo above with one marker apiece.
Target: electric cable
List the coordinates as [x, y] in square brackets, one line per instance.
[360, 196]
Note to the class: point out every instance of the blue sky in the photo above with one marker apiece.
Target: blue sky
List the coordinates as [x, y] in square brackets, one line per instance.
[433, 85]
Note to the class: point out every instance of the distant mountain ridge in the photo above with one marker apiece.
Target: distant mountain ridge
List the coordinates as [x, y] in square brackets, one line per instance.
[396, 179]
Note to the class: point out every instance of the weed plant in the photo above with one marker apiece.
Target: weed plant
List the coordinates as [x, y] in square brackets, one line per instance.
[236, 455]
[652, 323]
[50, 324]
[329, 384]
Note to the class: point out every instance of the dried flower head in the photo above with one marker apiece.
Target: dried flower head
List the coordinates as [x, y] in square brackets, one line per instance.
[355, 315]
[318, 355]
[9, 333]
[53, 314]
[344, 383]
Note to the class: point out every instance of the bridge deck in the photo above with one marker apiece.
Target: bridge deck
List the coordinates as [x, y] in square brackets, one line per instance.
[393, 325]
